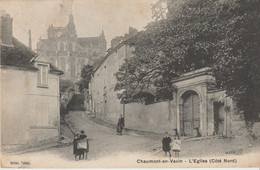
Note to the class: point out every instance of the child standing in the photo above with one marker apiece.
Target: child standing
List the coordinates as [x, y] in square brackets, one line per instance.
[176, 148]
[166, 144]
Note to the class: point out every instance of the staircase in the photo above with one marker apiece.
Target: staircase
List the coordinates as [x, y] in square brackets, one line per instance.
[76, 103]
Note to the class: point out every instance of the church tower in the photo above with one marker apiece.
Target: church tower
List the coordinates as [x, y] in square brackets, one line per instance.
[71, 28]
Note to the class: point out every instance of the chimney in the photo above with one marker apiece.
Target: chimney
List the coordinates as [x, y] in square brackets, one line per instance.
[6, 29]
[30, 39]
[132, 31]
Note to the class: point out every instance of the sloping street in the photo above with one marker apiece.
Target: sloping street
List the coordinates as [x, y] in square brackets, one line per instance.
[131, 146]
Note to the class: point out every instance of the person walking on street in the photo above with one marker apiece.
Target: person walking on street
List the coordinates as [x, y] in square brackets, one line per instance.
[166, 144]
[120, 125]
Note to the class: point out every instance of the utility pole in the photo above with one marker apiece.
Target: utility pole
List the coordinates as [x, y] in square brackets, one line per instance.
[30, 39]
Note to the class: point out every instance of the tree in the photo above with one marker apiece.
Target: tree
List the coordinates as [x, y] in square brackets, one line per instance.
[64, 84]
[193, 34]
[237, 60]
[86, 73]
[170, 46]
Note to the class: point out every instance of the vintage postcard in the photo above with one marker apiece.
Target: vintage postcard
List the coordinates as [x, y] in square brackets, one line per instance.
[130, 83]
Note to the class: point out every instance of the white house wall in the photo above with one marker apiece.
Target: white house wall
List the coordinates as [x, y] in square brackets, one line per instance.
[21, 99]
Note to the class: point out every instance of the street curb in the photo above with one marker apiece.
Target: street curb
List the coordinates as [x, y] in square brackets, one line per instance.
[30, 150]
[72, 130]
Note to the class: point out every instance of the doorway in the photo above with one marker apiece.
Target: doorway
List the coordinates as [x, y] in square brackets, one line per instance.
[190, 122]
[219, 117]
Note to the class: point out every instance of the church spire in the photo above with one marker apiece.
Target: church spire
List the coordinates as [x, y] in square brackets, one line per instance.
[71, 20]
[102, 34]
[71, 27]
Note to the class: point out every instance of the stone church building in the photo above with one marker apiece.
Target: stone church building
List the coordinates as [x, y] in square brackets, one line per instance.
[69, 52]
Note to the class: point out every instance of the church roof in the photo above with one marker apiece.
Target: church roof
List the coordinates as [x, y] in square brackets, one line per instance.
[86, 41]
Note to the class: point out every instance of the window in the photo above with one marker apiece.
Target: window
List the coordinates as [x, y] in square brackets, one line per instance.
[42, 75]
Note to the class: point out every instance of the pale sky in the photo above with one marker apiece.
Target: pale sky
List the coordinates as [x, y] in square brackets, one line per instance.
[90, 16]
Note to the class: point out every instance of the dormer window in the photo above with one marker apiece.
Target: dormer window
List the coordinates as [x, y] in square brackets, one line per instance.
[42, 75]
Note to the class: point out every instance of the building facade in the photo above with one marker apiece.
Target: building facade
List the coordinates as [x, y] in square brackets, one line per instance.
[197, 108]
[68, 52]
[30, 108]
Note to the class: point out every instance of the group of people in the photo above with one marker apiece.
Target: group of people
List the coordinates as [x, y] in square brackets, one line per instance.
[80, 146]
[81, 142]
[168, 144]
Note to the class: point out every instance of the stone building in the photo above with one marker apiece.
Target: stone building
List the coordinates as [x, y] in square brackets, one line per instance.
[30, 109]
[69, 52]
[197, 108]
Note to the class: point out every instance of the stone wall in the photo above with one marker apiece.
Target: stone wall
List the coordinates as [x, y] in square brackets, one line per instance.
[152, 117]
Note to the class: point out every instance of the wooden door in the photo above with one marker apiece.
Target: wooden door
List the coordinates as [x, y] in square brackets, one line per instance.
[191, 114]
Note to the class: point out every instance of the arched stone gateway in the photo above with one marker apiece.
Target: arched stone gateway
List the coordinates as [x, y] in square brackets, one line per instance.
[190, 113]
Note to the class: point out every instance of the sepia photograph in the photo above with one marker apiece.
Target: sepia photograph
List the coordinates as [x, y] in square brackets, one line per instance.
[130, 83]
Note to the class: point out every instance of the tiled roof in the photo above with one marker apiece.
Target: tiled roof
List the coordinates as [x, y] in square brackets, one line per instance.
[19, 55]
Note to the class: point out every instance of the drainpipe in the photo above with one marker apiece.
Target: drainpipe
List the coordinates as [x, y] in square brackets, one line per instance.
[58, 105]
[226, 115]
[124, 110]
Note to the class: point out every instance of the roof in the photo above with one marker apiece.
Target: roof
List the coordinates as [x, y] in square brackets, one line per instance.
[85, 41]
[112, 50]
[21, 56]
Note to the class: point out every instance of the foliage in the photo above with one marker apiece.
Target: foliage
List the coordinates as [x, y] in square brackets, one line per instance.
[168, 47]
[86, 73]
[237, 60]
[64, 84]
[221, 34]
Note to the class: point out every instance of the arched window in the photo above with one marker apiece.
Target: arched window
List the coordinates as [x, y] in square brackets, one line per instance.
[62, 64]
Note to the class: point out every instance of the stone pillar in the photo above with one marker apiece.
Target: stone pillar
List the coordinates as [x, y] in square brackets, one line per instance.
[203, 111]
[210, 116]
[173, 115]
[178, 112]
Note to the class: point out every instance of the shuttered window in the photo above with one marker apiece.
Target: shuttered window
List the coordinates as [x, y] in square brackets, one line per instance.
[42, 76]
